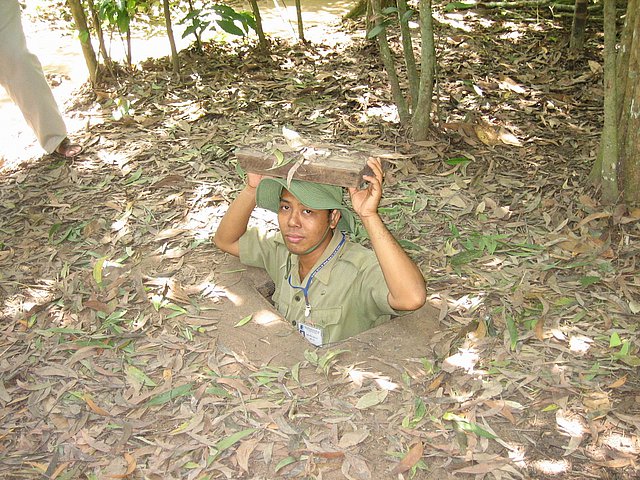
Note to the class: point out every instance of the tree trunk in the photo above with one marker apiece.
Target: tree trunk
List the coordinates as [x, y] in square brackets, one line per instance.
[609, 132]
[300, 25]
[175, 61]
[97, 25]
[389, 64]
[264, 46]
[579, 22]
[422, 115]
[629, 133]
[85, 39]
[129, 54]
[409, 58]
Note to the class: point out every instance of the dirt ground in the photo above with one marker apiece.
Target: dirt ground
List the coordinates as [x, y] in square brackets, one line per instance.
[131, 347]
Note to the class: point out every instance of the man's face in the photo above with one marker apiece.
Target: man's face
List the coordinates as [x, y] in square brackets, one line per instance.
[303, 227]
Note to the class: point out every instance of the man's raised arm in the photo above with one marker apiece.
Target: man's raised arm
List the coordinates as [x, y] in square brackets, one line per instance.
[404, 279]
[234, 223]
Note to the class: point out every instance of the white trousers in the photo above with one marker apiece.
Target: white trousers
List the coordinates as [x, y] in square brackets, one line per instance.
[22, 76]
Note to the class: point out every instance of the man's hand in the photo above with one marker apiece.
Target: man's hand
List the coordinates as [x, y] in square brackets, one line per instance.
[254, 179]
[365, 202]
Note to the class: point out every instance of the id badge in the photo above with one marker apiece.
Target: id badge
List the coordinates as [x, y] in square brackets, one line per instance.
[312, 334]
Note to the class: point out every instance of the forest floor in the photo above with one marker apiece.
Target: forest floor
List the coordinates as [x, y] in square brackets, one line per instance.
[131, 347]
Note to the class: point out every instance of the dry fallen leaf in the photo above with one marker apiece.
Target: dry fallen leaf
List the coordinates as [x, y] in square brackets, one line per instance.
[412, 457]
[619, 382]
[95, 408]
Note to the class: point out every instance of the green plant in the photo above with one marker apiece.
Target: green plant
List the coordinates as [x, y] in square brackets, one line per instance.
[217, 17]
[419, 412]
[324, 362]
[117, 12]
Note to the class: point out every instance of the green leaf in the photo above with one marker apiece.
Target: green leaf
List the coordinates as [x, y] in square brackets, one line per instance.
[324, 361]
[281, 160]
[53, 230]
[372, 399]
[407, 15]
[408, 245]
[231, 440]
[615, 340]
[134, 176]
[69, 331]
[97, 270]
[244, 321]
[631, 360]
[139, 376]
[218, 391]
[589, 280]
[513, 331]
[375, 31]
[295, 372]
[457, 161]
[421, 409]
[626, 347]
[230, 27]
[468, 426]
[284, 462]
[172, 394]
[177, 310]
[464, 257]
[311, 356]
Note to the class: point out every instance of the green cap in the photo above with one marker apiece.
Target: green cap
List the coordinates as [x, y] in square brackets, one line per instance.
[313, 195]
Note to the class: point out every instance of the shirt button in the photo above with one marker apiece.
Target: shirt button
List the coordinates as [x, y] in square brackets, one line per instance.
[294, 323]
[297, 298]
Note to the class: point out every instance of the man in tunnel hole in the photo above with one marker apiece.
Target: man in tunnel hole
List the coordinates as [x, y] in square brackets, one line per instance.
[326, 286]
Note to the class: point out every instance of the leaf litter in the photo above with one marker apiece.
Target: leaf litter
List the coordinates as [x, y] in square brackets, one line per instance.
[124, 355]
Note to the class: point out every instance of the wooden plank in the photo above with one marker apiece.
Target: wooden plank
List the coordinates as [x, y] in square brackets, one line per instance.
[337, 166]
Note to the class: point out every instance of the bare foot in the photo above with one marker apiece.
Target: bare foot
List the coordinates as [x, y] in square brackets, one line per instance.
[66, 149]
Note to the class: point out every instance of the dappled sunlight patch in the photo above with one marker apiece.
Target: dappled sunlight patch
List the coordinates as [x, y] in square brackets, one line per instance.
[266, 318]
[454, 20]
[388, 113]
[465, 359]
[211, 290]
[570, 424]
[551, 467]
[118, 158]
[629, 445]
[16, 306]
[517, 454]
[358, 377]
[237, 300]
[580, 343]
[466, 302]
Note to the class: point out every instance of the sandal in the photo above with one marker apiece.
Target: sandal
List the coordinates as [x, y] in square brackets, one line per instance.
[68, 150]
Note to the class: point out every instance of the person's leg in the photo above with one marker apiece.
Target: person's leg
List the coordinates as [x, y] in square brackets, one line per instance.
[22, 76]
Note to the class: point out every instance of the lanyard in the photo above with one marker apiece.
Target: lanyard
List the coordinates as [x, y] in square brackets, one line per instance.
[305, 289]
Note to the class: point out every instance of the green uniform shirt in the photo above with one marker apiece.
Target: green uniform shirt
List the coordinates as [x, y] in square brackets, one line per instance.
[348, 295]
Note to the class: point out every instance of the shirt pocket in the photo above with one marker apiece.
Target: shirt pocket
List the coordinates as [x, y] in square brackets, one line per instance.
[328, 320]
